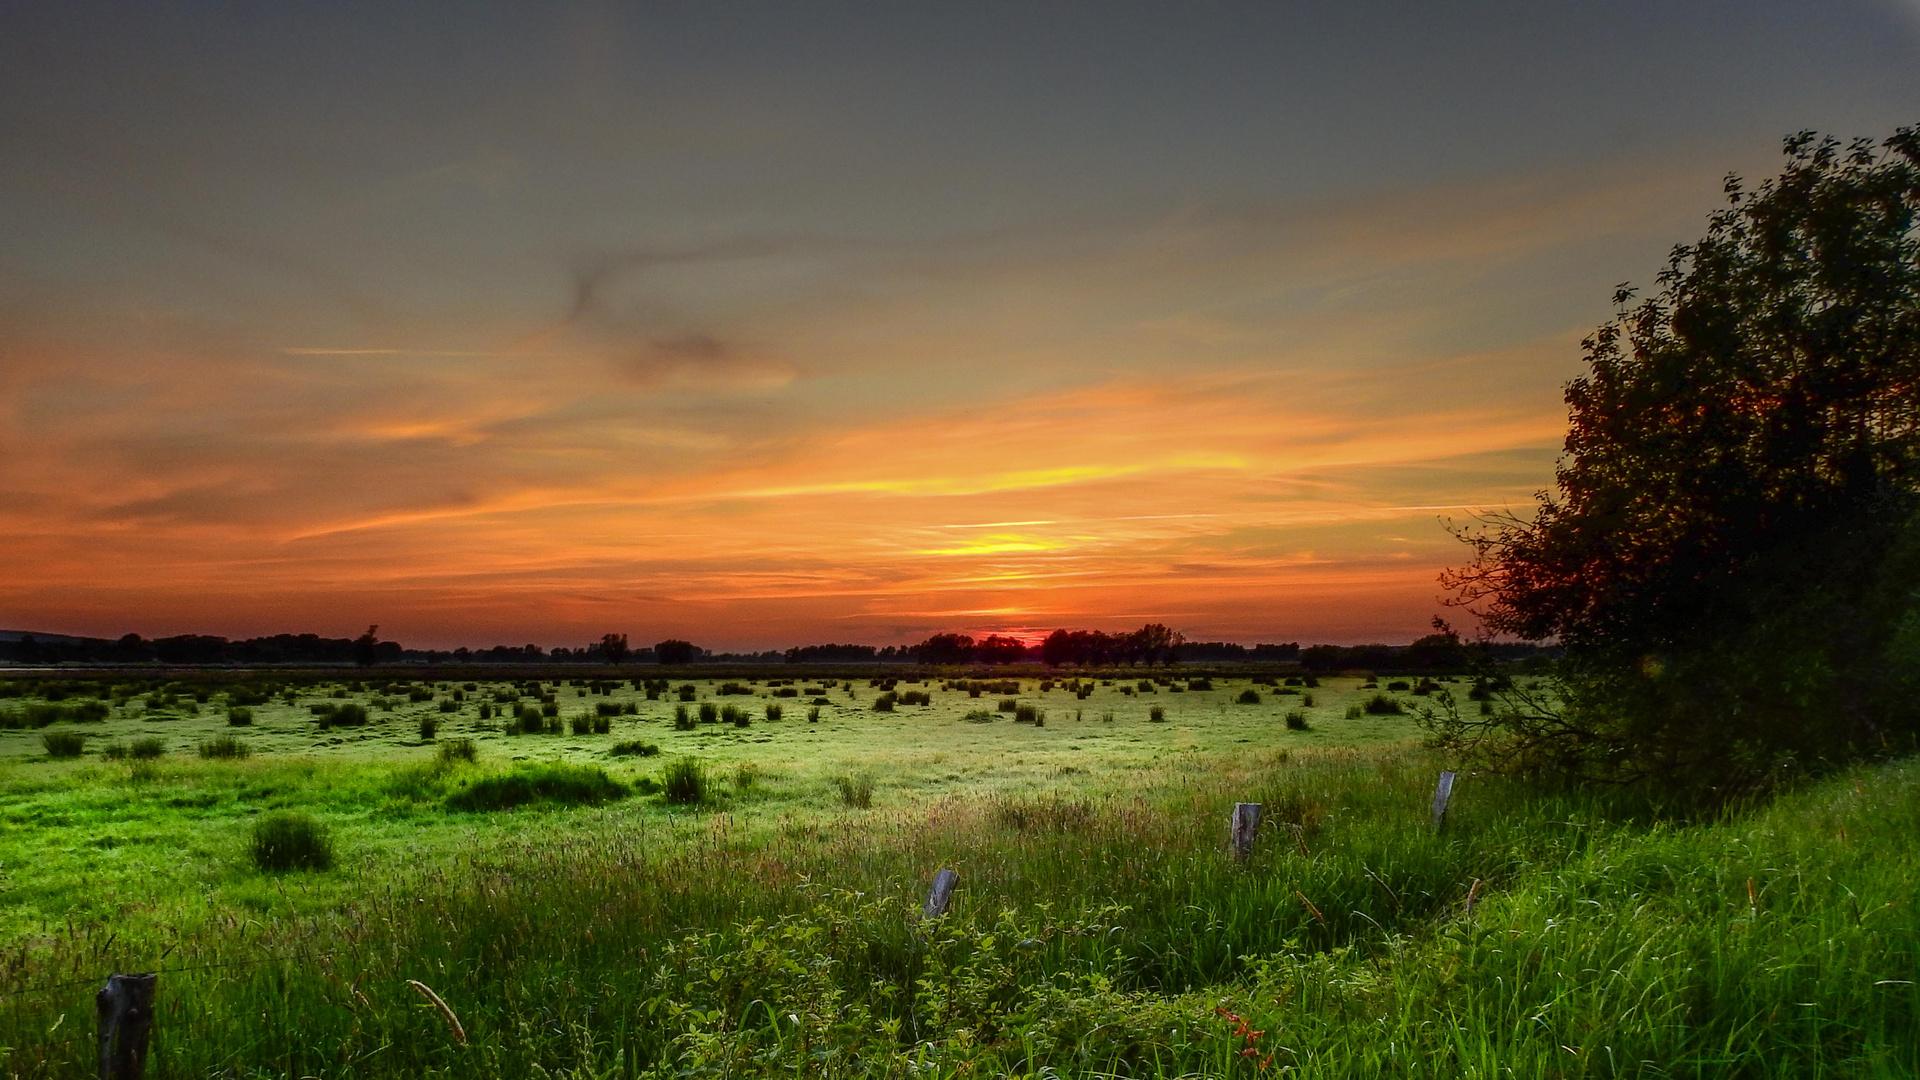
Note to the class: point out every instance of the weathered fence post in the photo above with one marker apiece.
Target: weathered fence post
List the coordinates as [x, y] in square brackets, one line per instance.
[1441, 795]
[941, 895]
[1246, 822]
[124, 1010]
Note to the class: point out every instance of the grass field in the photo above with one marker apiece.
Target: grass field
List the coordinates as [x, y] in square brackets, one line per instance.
[772, 926]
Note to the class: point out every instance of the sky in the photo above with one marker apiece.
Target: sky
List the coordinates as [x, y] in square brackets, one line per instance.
[771, 324]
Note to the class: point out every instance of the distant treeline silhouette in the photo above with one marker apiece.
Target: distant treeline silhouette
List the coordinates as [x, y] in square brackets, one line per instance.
[1152, 644]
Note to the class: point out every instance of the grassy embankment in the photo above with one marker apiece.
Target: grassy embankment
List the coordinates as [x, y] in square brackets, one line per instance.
[1099, 927]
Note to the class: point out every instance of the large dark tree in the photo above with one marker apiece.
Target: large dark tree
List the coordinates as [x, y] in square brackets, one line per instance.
[1730, 556]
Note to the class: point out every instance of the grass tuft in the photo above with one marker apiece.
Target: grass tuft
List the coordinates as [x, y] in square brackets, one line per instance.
[287, 840]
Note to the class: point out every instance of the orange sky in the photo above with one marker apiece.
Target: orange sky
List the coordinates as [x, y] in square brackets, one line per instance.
[555, 338]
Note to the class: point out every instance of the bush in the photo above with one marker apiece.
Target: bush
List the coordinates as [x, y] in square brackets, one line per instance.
[603, 725]
[583, 724]
[813, 714]
[885, 702]
[606, 708]
[448, 705]
[562, 784]
[855, 791]
[224, 747]
[1307, 700]
[980, 716]
[64, 743]
[682, 719]
[1400, 685]
[746, 777]
[774, 712]
[915, 697]
[731, 688]
[286, 840]
[735, 715]
[1156, 715]
[1008, 705]
[429, 727]
[239, 716]
[1382, 705]
[687, 692]
[709, 713]
[1249, 696]
[348, 715]
[1296, 721]
[685, 782]
[1199, 684]
[634, 748]
[1028, 714]
[457, 750]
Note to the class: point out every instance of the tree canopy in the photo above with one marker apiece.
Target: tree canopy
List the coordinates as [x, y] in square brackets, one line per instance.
[1729, 555]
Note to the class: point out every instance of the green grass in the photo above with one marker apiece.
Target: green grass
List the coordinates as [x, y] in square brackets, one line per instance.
[770, 925]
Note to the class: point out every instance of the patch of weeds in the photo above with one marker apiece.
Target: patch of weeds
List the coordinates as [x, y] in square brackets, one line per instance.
[224, 748]
[1297, 721]
[1249, 696]
[288, 840]
[855, 791]
[685, 782]
[557, 783]
[64, 744]
[1382, 705]
[1156, 715]
[634, 748]
[454, 750]
[239, 716]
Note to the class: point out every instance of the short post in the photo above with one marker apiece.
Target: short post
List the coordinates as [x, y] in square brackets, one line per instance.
[941, 895]
[1246, 822]
[1441, 795]
[124, 1010]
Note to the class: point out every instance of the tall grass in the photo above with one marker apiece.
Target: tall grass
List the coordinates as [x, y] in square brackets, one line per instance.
[1092, 935]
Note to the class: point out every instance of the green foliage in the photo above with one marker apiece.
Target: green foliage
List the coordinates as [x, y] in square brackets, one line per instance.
[1249, 696]
[735, 715]
[287, 840]
[1296, 720]
[450, 751]
[685, 781]
[551, 783]
[223, 748]
[1029, 714]
[634, 748]
[64, 744]
[429, 727]
[1732, 549]
[709, 713]
[855, 791]
[885, 702]
[774, 712]
[1382, 705]
[347, 715]
[1157, 715]
[239, 716]
[682, 719]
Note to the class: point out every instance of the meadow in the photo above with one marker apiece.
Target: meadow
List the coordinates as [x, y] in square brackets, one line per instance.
[723, 876]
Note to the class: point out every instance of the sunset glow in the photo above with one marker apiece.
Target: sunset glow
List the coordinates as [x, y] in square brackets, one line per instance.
[606, 323]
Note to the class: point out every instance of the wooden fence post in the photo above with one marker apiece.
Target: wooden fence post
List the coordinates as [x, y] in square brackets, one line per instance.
[1441, 795]
[124, 1011]
[941, 895]
[1246, 822]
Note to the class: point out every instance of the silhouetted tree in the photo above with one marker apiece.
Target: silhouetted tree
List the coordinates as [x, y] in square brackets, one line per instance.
[613, 648]
[366, 647]
[674, 651]
[945, 649]
[1730, 556]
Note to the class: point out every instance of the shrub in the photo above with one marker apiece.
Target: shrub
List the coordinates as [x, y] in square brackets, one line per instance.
[1296, 721]
[1199, 684]
[1156, 715]
[114, 751]
[1145, 686]
[547, 783]
[746, 777]
[224, 747]
[980, 716]
[448, 705]
[731, 688]
[735, 715]
[774, 712]
[606, 708]
[602, 725]
[550, 708]
[349, 715]
[429, 727]
[709, 713]
[1400, 685]
[64, 743]
[239, 716]
[855, 791]
[1309, 681]
[885, 702]
[687, 691]
[634, 748]
[1008, 705]
[682, 719]
[685, 782]
[813, 715]
[915, 697]
[457, 750]
[583, 724]
[1028, 714]
[1382, 705]
[1249, 696]
[787, 691]
[286, 840]
[1307, 700]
